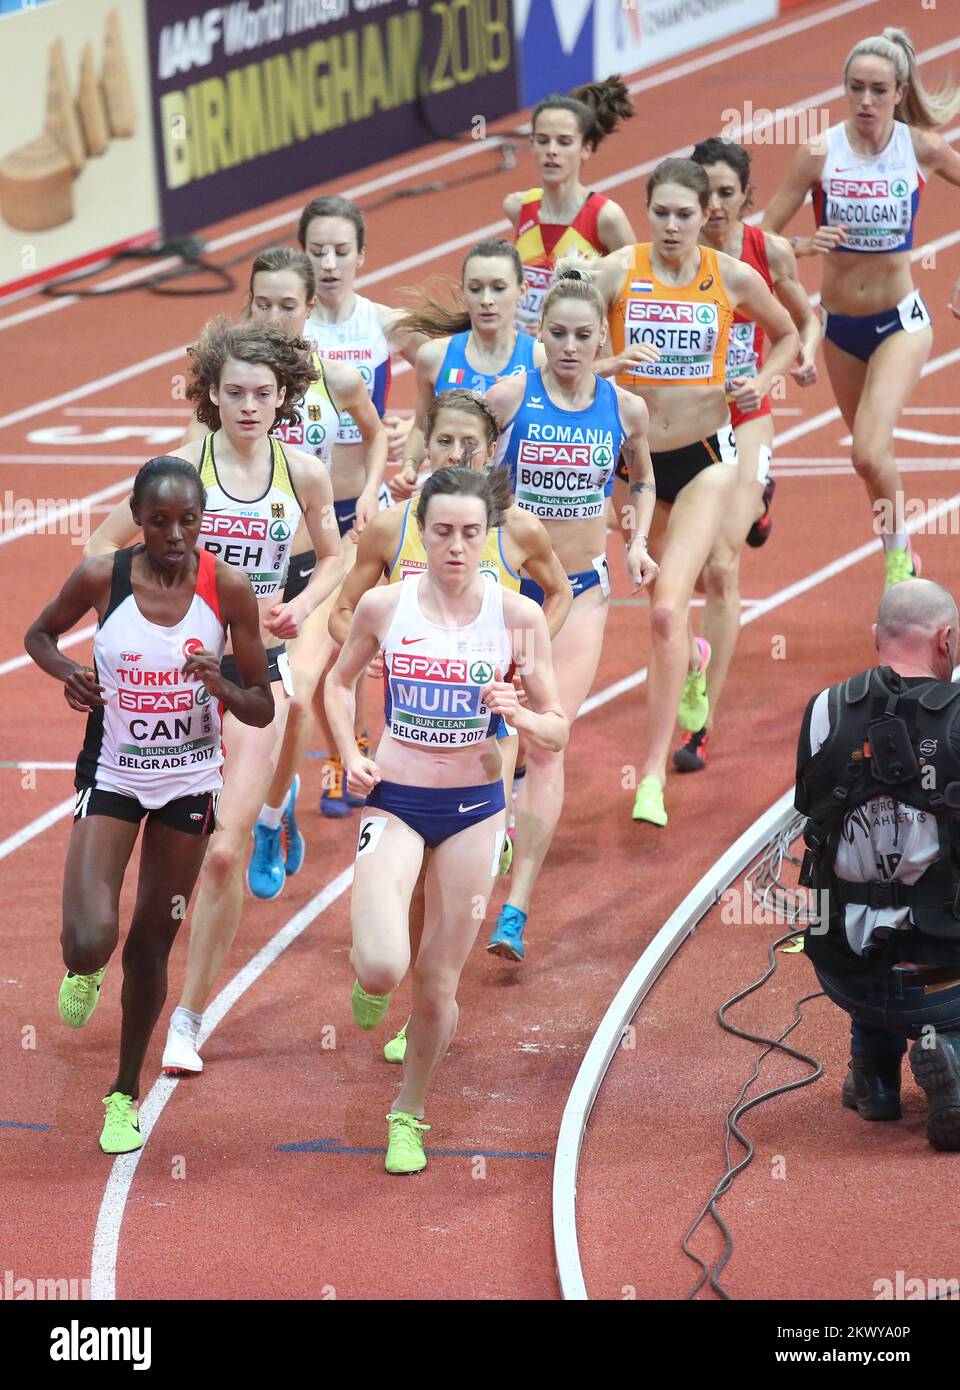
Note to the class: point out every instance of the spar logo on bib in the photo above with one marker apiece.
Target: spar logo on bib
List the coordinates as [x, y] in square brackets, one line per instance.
[279, 531]
[316, 434]
[899, 188]
[706, 313]
[481, 673]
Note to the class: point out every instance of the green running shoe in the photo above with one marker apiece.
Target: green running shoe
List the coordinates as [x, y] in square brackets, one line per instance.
[78, 996]
[900, 565]
[368, 1009]
[694, 705]
[405, 1143]
[396, 1049]
[121, 1127]
[649, 802]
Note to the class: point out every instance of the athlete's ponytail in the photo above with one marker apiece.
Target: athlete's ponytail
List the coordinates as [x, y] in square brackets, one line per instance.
[467, 403]
[492, 487]
[440, 319]
[918, 107]
[598, 107]
[572, 280]
[157, 470]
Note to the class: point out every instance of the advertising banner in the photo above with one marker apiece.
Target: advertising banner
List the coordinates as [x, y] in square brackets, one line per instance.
[256, 100]
[76, 150]
[633, 34]
[556, 39]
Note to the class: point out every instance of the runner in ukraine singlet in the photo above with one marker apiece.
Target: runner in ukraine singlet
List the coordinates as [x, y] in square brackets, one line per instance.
[561, 461]
[690, 324]
[156, 737]
[256, 536]
[434, 676]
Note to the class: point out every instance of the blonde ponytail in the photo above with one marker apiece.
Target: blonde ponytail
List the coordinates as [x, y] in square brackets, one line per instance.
[918, 107]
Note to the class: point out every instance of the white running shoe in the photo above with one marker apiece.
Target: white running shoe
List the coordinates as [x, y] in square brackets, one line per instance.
[180, 1057]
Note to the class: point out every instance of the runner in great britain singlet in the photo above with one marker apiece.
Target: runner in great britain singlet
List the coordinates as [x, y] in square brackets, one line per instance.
[434, 676]
[361, 342]
[156, 737]
[874, 198]
[411, 558]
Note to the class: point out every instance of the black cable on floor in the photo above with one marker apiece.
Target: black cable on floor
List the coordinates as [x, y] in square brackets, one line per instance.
[739, 1109]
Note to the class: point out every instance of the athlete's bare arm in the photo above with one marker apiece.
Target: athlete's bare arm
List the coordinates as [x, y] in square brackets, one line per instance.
[935, 156]
[530, 536]
[541, 718]
[375, 550]
[349, 393]
[512, 204]
[429, 357]
[749, 292]
[87, 587]
[802, 176]
[613, 228]
[371, 619]
[251, 703]
[505, 396]
[793, 297]
[403, 342]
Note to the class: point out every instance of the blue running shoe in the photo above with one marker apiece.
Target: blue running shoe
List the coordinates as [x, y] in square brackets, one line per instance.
[265, 872]
[292, 839]
[507, 937]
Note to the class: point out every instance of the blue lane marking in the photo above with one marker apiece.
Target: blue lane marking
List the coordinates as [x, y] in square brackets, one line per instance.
[19, 1124]
[335, 1146]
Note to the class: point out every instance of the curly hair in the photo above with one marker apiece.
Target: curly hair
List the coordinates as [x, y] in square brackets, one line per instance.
[254, 342]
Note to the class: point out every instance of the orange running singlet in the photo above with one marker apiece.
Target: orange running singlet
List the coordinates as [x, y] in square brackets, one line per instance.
[690, 324]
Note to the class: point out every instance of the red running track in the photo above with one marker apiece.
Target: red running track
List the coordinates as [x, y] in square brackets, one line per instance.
[217, 1206]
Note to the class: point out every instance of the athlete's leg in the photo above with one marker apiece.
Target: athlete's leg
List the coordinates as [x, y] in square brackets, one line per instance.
[892, 373]
[247, 770]
[576, 654]
[309, 656]
[460, 877]
[721, 574]
[385, 874]
[692, 528]
[169, 866]
[97, 857]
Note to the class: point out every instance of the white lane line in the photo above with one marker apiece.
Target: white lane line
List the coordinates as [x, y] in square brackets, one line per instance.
[36, 827]
[84, 459]
[46, 519]
[41, 767]
[467, 150]
[106, 1240]
[107, 1237]
[149, 411]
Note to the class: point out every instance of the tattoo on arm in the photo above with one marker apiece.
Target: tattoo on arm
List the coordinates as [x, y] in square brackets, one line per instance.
[642, 487]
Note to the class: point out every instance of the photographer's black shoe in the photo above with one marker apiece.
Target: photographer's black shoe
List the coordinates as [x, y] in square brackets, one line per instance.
[872, 1087]
[935, 1062]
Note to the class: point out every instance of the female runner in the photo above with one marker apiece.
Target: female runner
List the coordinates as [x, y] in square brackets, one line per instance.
[681, 296]
[153, 701]
[283, 292]
[448, 637]
[461, 430]
[470, 346]
[866, 179]
[727, 166]
[563, 428]
[346, 327]
[563, 216]
[242, 378]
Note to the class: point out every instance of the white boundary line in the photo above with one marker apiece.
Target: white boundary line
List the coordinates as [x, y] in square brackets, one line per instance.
[277, 222]
[107, 1238]
[613, 1025]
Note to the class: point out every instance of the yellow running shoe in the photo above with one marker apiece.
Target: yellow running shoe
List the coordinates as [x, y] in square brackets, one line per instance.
[396, 1049]
[121, 1126]
[900, 565]
[506, 856]
[649, 802]
[694, 706]
[368, 1009]
[405, 1143]
[78, 996]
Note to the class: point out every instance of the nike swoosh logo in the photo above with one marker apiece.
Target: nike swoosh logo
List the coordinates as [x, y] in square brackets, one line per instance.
[886, 327]
[406, 641]
[463, 808]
